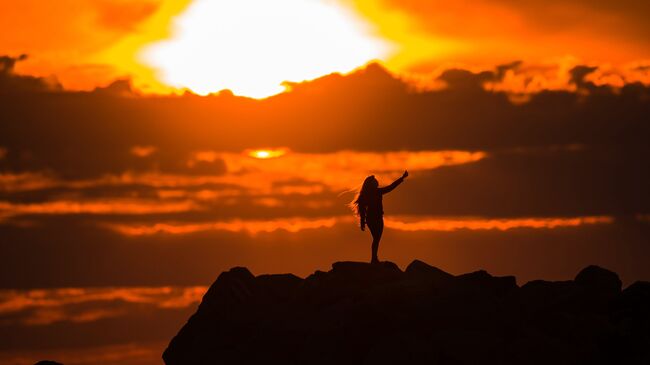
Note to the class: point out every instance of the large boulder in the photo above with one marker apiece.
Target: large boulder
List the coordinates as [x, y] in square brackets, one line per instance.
[230, 292]
[423, 272]
[598, 279]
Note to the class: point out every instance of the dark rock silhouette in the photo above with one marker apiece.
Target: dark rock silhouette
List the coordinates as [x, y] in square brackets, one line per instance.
[599, 279]
[359, 313]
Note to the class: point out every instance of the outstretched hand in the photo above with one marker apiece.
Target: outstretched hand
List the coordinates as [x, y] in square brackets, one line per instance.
[405, 175]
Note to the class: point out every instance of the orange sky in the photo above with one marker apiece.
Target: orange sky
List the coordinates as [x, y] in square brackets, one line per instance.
[89, 43]
[523, 125]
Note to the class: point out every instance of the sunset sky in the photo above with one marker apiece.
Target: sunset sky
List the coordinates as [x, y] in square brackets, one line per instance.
[148, 145]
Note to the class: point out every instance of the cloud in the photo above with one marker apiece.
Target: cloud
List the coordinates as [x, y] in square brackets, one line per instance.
[292, 225]
[372, 99]
[103, 257]
[85, 44]
[292, 184]
[123, 15]
[469, 127]
[566, 182]
[117, 88]
[565, 152]
[41, 322]
[13, 83]
[459, 79]
[424, 224]
[12, 182]
[112, 206]
[292, 171]
[113, 354]
[143, 151]
[409, 224]
[76, 324]
[49, 316]
[435, 32]
[32, 306]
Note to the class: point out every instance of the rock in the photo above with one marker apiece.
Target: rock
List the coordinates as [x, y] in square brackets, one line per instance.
[420, 271]
[599, 279]
[635, 298]
[360, 313]
[482, 281]
[545, 295]
[629, 342]
[231, 290]
[278, 287]
[630, 309]
[355, 277]
[231, 302]
[350, 268]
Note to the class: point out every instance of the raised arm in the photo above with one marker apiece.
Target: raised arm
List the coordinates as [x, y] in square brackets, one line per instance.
[389, 188]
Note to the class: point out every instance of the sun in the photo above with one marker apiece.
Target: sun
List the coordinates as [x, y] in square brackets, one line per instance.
[253, 46]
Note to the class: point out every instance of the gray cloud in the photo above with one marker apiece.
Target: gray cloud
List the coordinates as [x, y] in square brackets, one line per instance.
[13, 83]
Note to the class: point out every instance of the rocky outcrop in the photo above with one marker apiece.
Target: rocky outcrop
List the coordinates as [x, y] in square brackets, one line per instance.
[360, 313]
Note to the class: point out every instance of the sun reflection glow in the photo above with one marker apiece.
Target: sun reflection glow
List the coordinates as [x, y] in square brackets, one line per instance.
[264, 154]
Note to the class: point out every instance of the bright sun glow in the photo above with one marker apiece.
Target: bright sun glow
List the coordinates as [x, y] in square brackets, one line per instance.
[252, 46]
[267, 153]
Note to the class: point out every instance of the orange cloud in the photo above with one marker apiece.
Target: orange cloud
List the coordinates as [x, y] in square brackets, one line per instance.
[52, 304]
[337, 171]
[85, 44]
[117, 206]
[253, 227]
[445, 225]
[43, 317]
[408, 224]
[11, 182]
[143, 151]
[131, 353]
[201, 195]
[268, 202]
[430, 33]
[555, 74]
[265, 179]
[204, 156]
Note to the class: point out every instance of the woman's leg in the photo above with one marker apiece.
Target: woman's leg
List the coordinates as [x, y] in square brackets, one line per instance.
[376, 229]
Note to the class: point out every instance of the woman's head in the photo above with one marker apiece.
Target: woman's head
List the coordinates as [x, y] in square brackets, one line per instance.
[369, 184]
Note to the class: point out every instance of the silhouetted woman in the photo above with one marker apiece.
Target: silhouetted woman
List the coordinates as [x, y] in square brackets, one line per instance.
[368, 205]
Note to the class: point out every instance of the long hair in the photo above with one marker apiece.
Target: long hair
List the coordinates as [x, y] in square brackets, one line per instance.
[360, 198]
